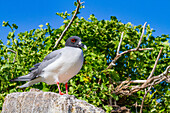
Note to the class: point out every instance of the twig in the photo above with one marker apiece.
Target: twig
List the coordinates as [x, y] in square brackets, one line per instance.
[132, 81]
[141, 35]
[125, 84]
[129, 90]
[166, 71]
[136, 106]
[12, 51]
[146, 92]
[74, 16]
[128, 51]
[15, 54]
[118, 49]
[144, 84]
[155, 63]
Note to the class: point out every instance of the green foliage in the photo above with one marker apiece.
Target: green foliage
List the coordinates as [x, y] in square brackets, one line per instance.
[93, 84]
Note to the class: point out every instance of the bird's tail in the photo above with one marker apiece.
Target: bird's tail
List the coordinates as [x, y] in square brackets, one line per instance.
[37, 80]
[22, 78]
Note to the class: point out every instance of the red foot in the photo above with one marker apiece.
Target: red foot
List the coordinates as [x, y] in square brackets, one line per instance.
[66, 89]
[61, 93]
[60, 90]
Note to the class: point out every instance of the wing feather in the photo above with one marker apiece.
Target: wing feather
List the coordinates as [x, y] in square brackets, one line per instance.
[38, 68]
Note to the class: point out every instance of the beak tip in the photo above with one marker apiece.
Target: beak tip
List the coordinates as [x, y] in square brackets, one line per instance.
[85, 47]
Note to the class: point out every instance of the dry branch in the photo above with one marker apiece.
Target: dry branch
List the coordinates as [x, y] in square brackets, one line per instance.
[71, 21]
[118, 49]
[125, 89]
[155, 63]
[150, 77]
[132, 81]
[128, 51]
[141, 35]
[146, 92]
[12, 51]
[15, 54]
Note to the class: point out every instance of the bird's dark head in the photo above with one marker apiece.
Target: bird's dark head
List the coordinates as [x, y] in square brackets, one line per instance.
[75, 41]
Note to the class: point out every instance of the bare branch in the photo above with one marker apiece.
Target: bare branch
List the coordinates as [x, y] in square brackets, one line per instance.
[146, 92]
[155, 63]
[124, 89]
[136, 106]
[15, 54]
[167, 70]
[12, 51]
[132, 81]
[124, 86]
[119, 55]
[118, 49]
[148, 80]
[128, 51]
[71, 21]
[141, 35]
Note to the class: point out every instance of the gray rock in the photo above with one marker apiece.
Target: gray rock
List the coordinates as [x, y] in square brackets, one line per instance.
[37, 101]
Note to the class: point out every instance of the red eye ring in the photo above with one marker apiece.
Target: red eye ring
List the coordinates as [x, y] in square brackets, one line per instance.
[73, 40]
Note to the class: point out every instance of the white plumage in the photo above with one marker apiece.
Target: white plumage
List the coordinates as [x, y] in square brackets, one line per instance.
[65, 67]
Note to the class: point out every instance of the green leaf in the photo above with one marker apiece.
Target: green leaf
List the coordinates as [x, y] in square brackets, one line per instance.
[15, 26]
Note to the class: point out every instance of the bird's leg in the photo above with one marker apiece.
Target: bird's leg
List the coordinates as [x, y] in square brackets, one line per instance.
[66, 88]
[59, 89]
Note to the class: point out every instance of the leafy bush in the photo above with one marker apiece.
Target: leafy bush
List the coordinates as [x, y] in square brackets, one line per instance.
[92, 84]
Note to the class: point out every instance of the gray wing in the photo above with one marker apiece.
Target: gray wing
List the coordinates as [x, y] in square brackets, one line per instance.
[47, 60]
[37, 69]
[50, 58]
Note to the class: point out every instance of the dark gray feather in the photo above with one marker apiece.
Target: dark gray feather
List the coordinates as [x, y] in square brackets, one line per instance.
[20, 79]
[50, 58]
[35, 66]
[37, 69]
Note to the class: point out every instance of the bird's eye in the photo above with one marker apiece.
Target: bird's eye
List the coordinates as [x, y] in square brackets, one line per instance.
[73, 40]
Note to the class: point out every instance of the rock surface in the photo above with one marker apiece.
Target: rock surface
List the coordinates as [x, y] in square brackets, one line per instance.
[37, 101]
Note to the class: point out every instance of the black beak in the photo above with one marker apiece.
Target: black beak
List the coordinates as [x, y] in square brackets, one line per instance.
[82, 45]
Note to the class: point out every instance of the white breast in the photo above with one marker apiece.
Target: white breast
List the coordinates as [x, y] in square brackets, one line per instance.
[65, 67]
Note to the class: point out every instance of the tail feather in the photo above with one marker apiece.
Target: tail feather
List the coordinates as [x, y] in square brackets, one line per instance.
[22, 78]
[37, 80]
